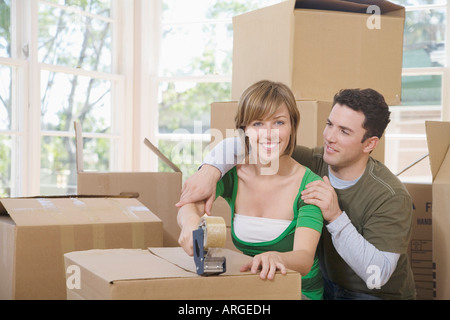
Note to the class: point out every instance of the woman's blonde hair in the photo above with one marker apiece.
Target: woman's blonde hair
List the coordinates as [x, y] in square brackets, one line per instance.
[261, 100]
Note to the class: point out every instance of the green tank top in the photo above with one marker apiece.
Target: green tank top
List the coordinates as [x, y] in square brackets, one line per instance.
[305, 215]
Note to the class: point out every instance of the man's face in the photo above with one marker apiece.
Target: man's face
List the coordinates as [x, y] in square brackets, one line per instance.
[342, 137]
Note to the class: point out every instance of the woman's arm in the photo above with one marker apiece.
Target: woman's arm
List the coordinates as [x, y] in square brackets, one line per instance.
[300, 259]
[188, 219]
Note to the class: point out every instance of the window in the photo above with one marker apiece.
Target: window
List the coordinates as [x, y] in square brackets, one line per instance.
[61, 65]
[425, 87]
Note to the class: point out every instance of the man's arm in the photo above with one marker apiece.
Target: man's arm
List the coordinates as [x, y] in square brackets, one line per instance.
[359, 253]
[225, 155]
[202, 184]
[356, 251]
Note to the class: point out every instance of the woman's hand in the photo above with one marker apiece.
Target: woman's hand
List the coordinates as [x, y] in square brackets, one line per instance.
[188, 219]
[185, 239]
[269, 262]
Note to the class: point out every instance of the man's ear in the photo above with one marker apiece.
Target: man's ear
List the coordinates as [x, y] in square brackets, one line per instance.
[370, 144]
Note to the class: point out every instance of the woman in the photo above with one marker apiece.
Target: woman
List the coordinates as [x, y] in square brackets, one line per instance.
[269, 220]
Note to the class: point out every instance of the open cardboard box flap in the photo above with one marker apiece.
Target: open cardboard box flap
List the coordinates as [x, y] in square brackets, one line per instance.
[165, 262]
[438, 139]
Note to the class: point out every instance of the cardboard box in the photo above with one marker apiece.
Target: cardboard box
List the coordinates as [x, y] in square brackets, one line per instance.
[158, 191]
[36, 232]
[420, 248]
[318, 47]
[313, 117]
[438, 139]
[169, 274]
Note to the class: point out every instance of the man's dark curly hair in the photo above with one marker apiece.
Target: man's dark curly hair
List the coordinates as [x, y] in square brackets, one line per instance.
[371, 104]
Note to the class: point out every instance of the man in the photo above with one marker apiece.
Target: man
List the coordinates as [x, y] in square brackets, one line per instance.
[367, 210]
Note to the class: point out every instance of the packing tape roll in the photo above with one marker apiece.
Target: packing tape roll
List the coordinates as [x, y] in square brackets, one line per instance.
[215, 231]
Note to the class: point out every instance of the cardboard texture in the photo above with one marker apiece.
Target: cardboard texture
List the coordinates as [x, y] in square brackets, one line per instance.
[158, 191]
[318, 47]
[438, 139]
[313, 117]
[36, 232]
[420, 248]
[169, 274]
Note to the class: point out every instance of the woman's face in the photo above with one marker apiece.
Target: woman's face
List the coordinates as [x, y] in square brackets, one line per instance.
[270, 137]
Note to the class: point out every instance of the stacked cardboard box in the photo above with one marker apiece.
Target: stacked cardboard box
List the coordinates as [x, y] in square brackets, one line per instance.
[438, 139]
[420, 248]
[35, 233]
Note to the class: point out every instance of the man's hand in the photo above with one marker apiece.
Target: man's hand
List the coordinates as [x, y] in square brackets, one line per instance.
[322, 194]
[201, 186]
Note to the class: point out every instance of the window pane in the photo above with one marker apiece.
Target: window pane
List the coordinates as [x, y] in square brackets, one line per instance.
[194, 41]
[58, 162]
[5, 28]
[411, 120]
[5, 165]
[206, 50]
[5, 98]
[419, 2]
[68, 98]
[182, 10]
[406, 135]
[96, 154]
[424, 38]
[422, 90]
[58, 166]
[408, 151]
[186, 154]
[74, 40]
[184, 107]
[421, 101]
[98, 7]
[186, 10]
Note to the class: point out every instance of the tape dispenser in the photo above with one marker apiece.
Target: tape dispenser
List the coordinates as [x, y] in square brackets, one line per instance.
[209, 236]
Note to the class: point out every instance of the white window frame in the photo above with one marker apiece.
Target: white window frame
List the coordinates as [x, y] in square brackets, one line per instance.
[18, 152]
[25, 175]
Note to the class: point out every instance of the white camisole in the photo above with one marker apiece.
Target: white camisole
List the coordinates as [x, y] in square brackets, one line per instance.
[258, 229]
